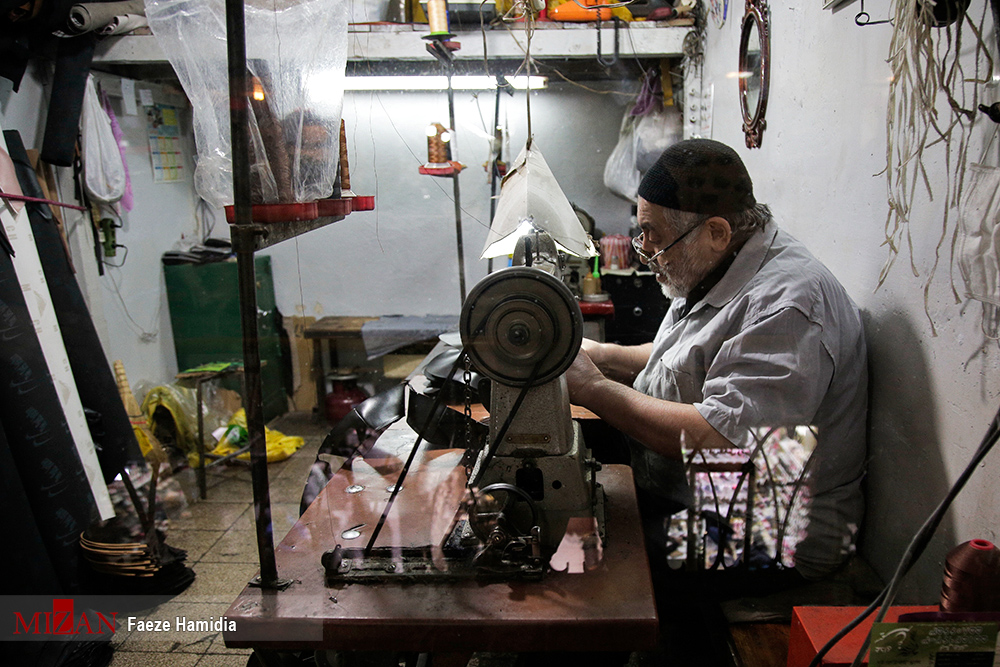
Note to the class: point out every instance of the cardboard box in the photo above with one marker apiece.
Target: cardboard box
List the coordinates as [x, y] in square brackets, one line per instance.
[303, 383]
[812, 627]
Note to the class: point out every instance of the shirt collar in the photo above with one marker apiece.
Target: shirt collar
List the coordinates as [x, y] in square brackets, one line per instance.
[700, 290]
[745, 266]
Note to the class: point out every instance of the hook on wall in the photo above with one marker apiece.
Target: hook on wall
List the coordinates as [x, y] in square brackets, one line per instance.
[863, 18]
[607, 62]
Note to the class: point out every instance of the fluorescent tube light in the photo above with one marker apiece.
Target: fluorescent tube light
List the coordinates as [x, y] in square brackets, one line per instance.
[440, 82]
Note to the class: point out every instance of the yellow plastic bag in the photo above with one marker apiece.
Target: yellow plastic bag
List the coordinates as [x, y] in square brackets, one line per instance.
[279, 446]
[182, 405]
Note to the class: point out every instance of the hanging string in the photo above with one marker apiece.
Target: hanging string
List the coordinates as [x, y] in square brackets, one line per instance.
[529, 18]
[925, 62]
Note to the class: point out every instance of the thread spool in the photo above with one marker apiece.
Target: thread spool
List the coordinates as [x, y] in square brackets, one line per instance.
[437, 16]
[437, 148]
[971, 577]
[345, 171]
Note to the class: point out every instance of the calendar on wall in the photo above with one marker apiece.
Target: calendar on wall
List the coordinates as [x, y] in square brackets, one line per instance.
[165, 144]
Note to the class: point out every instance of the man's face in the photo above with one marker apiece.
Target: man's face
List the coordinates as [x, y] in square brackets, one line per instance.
[682, 267]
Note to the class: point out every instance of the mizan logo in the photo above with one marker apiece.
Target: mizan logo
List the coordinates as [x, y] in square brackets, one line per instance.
[62, 621]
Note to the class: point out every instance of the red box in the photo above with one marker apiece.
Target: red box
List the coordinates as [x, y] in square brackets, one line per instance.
[812, 627]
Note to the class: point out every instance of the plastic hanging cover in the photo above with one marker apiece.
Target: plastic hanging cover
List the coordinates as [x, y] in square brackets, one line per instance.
[103, 169]
[297, 56]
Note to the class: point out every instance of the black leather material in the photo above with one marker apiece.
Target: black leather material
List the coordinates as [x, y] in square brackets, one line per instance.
[446, 428]
[383, 408]
[440, 378]
[62, 124]
[354, 436]
[109, 425]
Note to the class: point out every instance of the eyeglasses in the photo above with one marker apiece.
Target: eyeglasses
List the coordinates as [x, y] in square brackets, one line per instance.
[637, 243]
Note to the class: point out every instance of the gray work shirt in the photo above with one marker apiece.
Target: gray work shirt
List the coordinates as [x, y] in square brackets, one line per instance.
[777, 341]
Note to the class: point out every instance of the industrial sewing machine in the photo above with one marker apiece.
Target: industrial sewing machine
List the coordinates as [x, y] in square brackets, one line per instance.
[532, 480]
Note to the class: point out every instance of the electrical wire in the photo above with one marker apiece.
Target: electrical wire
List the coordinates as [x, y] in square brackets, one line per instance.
[124, 257]
[204, 219]
[920, 74]
[144, 336]
[913, 551]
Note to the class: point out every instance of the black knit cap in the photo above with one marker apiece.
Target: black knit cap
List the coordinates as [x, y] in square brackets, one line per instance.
[699, 176]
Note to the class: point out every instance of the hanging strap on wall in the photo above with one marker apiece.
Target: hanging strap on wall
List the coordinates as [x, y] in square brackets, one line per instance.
[39, 200]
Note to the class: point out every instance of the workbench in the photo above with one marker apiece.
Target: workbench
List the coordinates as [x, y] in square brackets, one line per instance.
[610, 608]
[331, 330]
[347, 341]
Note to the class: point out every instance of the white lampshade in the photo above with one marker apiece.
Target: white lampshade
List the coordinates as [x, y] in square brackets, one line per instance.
[531, 199]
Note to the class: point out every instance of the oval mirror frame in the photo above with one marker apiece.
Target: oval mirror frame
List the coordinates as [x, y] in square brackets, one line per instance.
[755, 19]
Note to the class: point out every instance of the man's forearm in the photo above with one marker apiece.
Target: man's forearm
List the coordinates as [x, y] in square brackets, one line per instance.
[660, 425]
[620, 362]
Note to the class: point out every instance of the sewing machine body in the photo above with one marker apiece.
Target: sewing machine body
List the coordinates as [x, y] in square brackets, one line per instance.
[533, 476]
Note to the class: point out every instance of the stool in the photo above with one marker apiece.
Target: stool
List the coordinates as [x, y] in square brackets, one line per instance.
[201, 375]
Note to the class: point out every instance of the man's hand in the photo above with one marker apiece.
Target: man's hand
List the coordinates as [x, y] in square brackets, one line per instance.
[620, 363]
[656, 423]
[581, 375]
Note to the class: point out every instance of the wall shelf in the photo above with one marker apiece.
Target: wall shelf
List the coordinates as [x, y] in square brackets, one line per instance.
[404, 42]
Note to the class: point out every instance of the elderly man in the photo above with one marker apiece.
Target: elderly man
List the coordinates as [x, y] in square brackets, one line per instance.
[759, 333]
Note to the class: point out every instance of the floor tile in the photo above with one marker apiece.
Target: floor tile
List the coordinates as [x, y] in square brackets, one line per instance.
[124, 659]
[288, 489]
[234, 546]
[220, 581]
[220, 537]
[223, 660]
[188, 480]
[209, 516]
[121, 636]
[194, 542]
[298, 466]
[232, 490]
[219, 646]
[283, 517]
[240, 471]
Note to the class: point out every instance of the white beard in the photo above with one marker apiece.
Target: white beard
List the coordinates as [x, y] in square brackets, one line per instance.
[678, 278]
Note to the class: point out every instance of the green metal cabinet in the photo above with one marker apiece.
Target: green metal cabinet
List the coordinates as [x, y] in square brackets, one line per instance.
[205, 318]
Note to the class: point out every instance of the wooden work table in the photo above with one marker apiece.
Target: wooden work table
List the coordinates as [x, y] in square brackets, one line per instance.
[329, 330]
[610, 608]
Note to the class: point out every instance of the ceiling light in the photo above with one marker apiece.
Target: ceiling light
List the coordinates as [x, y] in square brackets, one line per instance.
[440, 82]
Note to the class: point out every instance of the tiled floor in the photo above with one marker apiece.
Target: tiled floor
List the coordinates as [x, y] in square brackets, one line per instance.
[219, 536]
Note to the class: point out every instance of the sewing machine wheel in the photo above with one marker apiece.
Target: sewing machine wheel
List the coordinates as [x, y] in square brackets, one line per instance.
[520, 318]
[495, 507]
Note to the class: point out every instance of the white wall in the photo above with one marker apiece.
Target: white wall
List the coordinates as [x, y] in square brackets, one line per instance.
[20, 110]
[399, 259]
[402, 257]
[932, 397]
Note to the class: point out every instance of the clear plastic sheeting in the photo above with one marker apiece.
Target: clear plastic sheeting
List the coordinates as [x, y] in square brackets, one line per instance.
[296, 57]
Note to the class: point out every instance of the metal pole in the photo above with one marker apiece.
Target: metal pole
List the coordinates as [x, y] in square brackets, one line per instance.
[457, 191]
[202, 482]
[493, 162]
[238, 118]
